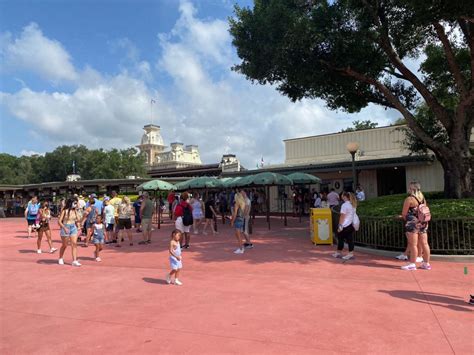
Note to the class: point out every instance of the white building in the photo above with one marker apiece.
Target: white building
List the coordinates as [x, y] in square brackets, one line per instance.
[179, 156]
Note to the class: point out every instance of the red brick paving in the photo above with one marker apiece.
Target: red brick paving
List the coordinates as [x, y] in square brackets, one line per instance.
[284, 296]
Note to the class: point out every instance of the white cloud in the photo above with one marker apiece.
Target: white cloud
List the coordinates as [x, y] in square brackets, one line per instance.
[205, 104]
[34, 52]
[29, 153]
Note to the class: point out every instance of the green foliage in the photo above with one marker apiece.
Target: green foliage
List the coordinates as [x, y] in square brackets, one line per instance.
[391, 206]
[351, 53]
[56, 165]
[360, 125]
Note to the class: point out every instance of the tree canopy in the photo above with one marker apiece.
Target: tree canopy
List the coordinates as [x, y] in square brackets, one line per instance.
[359, 125]
[56, 165]
[354, 52]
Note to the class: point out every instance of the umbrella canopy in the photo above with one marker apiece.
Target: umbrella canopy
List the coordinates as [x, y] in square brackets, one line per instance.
[303, 178]
[265, 179]
[155, 185]
[202, 182]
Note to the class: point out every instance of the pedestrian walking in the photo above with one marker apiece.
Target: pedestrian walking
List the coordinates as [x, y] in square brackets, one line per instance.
[175, 258]
[69, 222]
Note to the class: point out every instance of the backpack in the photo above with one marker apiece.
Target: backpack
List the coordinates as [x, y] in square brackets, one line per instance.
[423, 213]
[355, 221]
[187, 216]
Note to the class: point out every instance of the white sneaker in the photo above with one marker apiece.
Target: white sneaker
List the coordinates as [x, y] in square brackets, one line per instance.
[401, 257]
[177, 282]
[52, 250]
[238, 251]
[419, 259]
[348, 257]
[76, 263]
[337, 255]
[98, 259]
[168, 279]
[409, 266]
[39, 251]
[61, 261]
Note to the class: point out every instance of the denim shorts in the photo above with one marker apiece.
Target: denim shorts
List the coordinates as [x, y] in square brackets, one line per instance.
[98, 239]
[72, 231]
[239, 223]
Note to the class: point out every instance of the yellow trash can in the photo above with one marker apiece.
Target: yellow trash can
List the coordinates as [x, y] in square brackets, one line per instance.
[321, 226]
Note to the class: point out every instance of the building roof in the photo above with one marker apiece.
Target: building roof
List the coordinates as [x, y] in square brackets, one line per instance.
[346, 165]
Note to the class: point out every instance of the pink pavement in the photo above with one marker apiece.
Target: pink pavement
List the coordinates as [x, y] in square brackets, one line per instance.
[284, 296]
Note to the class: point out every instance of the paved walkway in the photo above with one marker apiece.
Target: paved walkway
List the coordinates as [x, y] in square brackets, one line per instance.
[284, 296]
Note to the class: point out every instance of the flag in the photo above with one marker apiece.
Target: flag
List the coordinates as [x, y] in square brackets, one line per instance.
[153, 101]
[261, 163]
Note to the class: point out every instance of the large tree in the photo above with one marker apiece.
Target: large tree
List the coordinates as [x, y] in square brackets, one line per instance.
[354, 52]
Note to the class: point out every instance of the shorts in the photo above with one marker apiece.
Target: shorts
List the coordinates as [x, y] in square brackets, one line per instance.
[110, 227]
[239, 223]
[179, 225]
[413, 226]
[44, 227]
[71, 233]
[124, 224]
[98, 239]
[175, 264]
[138, 220]
[31, 221]
[197, 215]
[146, 224]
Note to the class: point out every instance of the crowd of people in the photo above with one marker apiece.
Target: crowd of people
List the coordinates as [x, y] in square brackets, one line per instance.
[110, 220]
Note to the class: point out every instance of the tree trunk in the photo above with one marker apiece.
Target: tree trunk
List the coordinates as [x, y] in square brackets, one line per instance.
[457, 176]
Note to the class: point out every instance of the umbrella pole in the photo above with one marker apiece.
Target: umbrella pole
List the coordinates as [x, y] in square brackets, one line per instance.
[284, 210]
[159, 213]
[268, 206]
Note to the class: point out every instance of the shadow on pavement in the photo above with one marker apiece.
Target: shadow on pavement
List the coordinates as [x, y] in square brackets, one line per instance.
[155, 281]
[452, 302]
[47, 261]
[27, 251]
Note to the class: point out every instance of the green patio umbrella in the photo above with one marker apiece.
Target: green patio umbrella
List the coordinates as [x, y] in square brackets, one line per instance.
[299, 178]
[156, 185]
[202, 182]
[303, 178]
[266, 179]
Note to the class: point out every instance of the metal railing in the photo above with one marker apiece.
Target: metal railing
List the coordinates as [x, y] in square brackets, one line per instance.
[445, 235]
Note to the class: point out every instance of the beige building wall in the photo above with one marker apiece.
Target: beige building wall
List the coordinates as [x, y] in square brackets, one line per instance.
[377, 143]
[431, 176]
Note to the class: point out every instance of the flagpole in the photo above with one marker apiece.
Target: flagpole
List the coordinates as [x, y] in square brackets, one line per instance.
[151, 111]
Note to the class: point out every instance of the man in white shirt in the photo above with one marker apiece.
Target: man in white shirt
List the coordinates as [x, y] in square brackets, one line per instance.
[333, 198]
[248, 205]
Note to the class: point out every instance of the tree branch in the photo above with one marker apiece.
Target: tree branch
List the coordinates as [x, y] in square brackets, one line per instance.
[395, 74]
[453, 66]
[391, 98]
[441, 112]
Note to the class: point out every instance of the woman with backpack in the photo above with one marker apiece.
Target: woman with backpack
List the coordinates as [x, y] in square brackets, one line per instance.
[183, 213]
[416, 215]
[31, 213]
[345, 230]
[90, 214]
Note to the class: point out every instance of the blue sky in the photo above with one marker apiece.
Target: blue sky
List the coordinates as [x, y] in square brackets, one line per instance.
[83, 72]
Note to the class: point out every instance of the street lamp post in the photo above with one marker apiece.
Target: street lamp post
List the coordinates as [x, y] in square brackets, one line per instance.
[353, 147]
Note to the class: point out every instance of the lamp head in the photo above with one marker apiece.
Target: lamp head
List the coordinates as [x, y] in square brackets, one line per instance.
[352, 147]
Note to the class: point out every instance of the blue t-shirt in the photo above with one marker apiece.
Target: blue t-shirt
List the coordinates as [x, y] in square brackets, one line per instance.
[137, 205]
[33, 209]
[98, 204]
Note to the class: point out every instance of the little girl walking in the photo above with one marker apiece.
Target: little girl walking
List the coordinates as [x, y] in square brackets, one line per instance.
[175, 258]
[99, 237]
